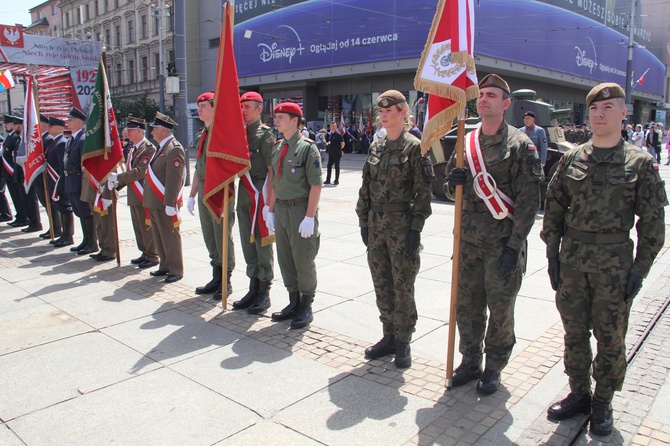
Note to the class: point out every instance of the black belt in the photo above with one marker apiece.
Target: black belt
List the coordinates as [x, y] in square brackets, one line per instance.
[472, 206]
[68, 173]
[390, 207]
[596, 237]
[301, 200]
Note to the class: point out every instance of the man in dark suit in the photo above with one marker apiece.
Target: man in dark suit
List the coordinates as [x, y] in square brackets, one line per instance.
[60, 201]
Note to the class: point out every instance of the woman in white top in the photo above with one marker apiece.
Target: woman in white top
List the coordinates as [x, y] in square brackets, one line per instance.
[638, 136]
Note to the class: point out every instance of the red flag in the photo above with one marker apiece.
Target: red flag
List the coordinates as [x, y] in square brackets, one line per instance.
[447, 68]
[33, 159]
[226, 148]
[640, 81]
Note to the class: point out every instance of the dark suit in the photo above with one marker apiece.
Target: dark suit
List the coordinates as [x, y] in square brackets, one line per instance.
[9, 148]
[73, 175]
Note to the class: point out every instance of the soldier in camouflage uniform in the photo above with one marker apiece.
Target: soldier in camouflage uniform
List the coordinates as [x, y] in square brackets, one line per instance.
[393, 205]
[256, 244]
[491, 260]
[296, 189]
[590, 207]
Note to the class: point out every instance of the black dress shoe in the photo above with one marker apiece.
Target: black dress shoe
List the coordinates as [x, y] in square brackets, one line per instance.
[45, 235]
[19, 223]
[385, 346]
[138, 260]
[465, 373]
[570, 406]
[32, 228]
[173, 278]
[403, 355]
[159, 273]
[4, 218]
[104, 258]
[489, 382]
[147, 264]
[602, 419]
[86, 250]
[95, 255]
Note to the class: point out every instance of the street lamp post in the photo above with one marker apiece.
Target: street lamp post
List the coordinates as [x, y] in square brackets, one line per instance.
[158, 12]
[629, 62]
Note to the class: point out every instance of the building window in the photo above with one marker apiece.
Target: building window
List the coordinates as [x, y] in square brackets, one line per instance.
[144, 68]
[131, 32]
[131, 72]
[39, 16]
[106, 5]
[108, 41]
[96, 9]
[145, 27]
[54, 9]
[157, 64]
[117, 31]
[87, 13]
[78, 18]
[67, 20]
[156, 25]
[170, 24]
[116, 4]
[214, 43]
[119, 75]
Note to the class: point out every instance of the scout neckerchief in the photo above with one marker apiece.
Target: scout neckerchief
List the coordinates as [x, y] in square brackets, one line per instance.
[159, 189]
[497, 202]
[136, 186]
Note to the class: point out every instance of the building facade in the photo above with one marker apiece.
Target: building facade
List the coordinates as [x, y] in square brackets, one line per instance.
[45, 20]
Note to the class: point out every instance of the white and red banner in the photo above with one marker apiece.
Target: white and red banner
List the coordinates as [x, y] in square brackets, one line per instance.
[32, 159]
[447, 68]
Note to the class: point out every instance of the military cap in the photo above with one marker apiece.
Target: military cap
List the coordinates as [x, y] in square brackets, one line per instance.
[251, 96]
[493, 80]
[389, 98]
[44, 118]
[77, 114]
[207, 96]
[162, 120]
[529, 113]
[17, 119]
[56, 121]
[7, 119]
[136, 123]
[601, 92]
[288, 107]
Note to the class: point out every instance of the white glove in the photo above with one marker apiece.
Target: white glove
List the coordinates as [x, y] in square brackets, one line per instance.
[111, 185]
[105, 203]
[170, 211]
[266, 211]
[190, 205]
[306, 228]
[270, 222]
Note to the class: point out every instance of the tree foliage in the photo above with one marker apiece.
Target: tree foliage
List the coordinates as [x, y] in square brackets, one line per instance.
[138, 106]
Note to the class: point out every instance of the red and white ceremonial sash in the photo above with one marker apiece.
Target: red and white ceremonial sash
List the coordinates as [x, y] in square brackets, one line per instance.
[55, 178]
[8, 167]
[498, 203]
[97, 203]
[258, 201]
[159, 189]
[137, 187]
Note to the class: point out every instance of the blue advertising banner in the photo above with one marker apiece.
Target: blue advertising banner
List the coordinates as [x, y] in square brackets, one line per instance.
[273, 36]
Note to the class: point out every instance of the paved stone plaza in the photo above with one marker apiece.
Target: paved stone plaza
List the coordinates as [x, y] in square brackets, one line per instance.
[92, 353]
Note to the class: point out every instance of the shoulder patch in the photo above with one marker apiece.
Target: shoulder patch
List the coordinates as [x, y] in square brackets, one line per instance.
[176, 161]
[660, 192]
[317, 164]
[269, 139]
[531, 147]
[146, 160]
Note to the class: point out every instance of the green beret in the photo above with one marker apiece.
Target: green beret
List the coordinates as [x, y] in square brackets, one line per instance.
[493, 80]
[389, 98]
[601, 92]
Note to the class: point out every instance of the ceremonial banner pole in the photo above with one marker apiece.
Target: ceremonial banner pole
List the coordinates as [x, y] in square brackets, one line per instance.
[47, 197]
[224, 248]
[447, 72]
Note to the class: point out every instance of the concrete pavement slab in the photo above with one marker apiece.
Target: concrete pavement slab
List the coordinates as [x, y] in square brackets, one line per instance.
[532, 317]
[158, 408]
[269, 432]
[15, 298]
[37, 325]
[355, 411]
[9, 438]
[257, 384]
[169, 336]
[80, 284]
[52, 373]
[346, 280]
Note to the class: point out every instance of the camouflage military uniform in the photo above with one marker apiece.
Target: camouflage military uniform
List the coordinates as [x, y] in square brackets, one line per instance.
[394, 198]
[591, 205]
[514, 163]
[259, 258]
[301, 169]
[212, 230]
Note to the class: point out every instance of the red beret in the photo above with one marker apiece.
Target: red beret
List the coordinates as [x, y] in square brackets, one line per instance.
[209, 96]
[288, 107]
[251, 96]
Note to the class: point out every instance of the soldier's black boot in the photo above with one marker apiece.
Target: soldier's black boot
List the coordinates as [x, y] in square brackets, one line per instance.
[55, 224]
[385, 346]
[248, 298]
[218, 294]
[489, 382]
[570, 406]
[291, 310]
[84, 241]
[465, 373]
[92, 239]
[601, 418]
[213, 284]
[403, 355]
[262, 301]
[304, 316]
[66, 238]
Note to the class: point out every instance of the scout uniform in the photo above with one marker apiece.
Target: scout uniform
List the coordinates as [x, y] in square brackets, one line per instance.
[165, 178]
[591, 205]
[139, 156]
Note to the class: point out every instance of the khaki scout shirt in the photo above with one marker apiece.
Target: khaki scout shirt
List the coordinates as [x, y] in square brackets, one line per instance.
[301, 168]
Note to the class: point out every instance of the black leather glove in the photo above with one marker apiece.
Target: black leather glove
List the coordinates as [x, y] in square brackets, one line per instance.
[413, 241]
[364, 236]
[554, 272]
[632, 287]
[509, 261]
[458, 175]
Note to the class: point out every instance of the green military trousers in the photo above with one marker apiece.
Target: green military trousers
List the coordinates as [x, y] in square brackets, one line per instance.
[259, 258]
[212, 231]
[296, 254]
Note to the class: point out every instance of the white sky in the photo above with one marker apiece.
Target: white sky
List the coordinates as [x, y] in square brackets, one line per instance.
[17, 12]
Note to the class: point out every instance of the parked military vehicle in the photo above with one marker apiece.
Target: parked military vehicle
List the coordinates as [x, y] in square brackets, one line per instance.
[523, 101]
